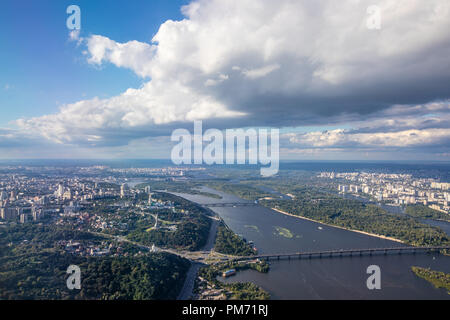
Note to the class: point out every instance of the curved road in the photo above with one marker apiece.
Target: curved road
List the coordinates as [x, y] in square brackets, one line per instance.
[191, 275]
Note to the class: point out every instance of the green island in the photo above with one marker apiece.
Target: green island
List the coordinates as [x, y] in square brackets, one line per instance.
[252, 227]
[207, 282]
[421, 211]
[283, 232]
[227, 242]
[437, 278]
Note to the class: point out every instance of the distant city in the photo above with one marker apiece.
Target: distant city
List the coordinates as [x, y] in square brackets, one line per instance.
[398, 189]
[63, 196]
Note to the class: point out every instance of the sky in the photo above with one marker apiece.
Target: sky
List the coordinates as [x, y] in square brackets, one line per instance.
[340, 81]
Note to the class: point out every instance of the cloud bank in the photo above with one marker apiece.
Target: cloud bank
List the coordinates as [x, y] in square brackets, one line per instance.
[276, 63]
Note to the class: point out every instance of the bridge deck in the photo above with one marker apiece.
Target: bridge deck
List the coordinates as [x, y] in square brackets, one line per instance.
[335, 253]
[230, 204]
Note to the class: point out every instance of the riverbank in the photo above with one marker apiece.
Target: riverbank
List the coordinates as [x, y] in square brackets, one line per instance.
[339, 227]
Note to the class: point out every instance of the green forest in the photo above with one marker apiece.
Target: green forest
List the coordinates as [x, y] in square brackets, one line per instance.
[228, 242]
[190, 234]
[32, 266]
[192, 228]
[420, 211]
[43, 276]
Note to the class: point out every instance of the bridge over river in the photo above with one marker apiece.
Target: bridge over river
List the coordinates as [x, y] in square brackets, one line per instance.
[230, 204]
[343, 253]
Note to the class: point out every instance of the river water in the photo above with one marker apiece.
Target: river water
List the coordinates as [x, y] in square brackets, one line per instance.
[326, 278]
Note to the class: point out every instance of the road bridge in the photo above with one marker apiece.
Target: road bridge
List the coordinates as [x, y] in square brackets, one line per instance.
[229, 204]
[343, 253]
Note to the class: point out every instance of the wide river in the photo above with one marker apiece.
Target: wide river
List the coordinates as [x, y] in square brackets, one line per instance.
[326, 278]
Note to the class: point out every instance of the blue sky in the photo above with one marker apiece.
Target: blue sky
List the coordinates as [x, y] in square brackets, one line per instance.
[41, 69]
[336, 88]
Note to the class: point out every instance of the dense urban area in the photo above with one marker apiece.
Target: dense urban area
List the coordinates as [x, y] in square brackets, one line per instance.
[398, 189]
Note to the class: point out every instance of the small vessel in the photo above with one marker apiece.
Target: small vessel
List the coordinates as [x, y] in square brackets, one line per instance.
[320, 228]
[229, 273]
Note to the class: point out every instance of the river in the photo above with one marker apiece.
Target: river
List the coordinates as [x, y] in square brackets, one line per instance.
[326, 278]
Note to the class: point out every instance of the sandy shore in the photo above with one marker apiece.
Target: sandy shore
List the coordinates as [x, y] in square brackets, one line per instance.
[330, 225]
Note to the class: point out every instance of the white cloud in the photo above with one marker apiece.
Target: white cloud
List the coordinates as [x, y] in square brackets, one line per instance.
[154, 104]
[134, 55]
[214, 82]
[341, 138]
[397, 130]
[414, 130]
[260, 72]
[270, 63]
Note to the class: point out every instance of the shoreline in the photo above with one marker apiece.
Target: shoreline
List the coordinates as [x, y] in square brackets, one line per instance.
[339, 227]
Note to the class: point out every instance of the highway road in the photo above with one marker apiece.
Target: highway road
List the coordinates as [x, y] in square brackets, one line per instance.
[186, 291]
